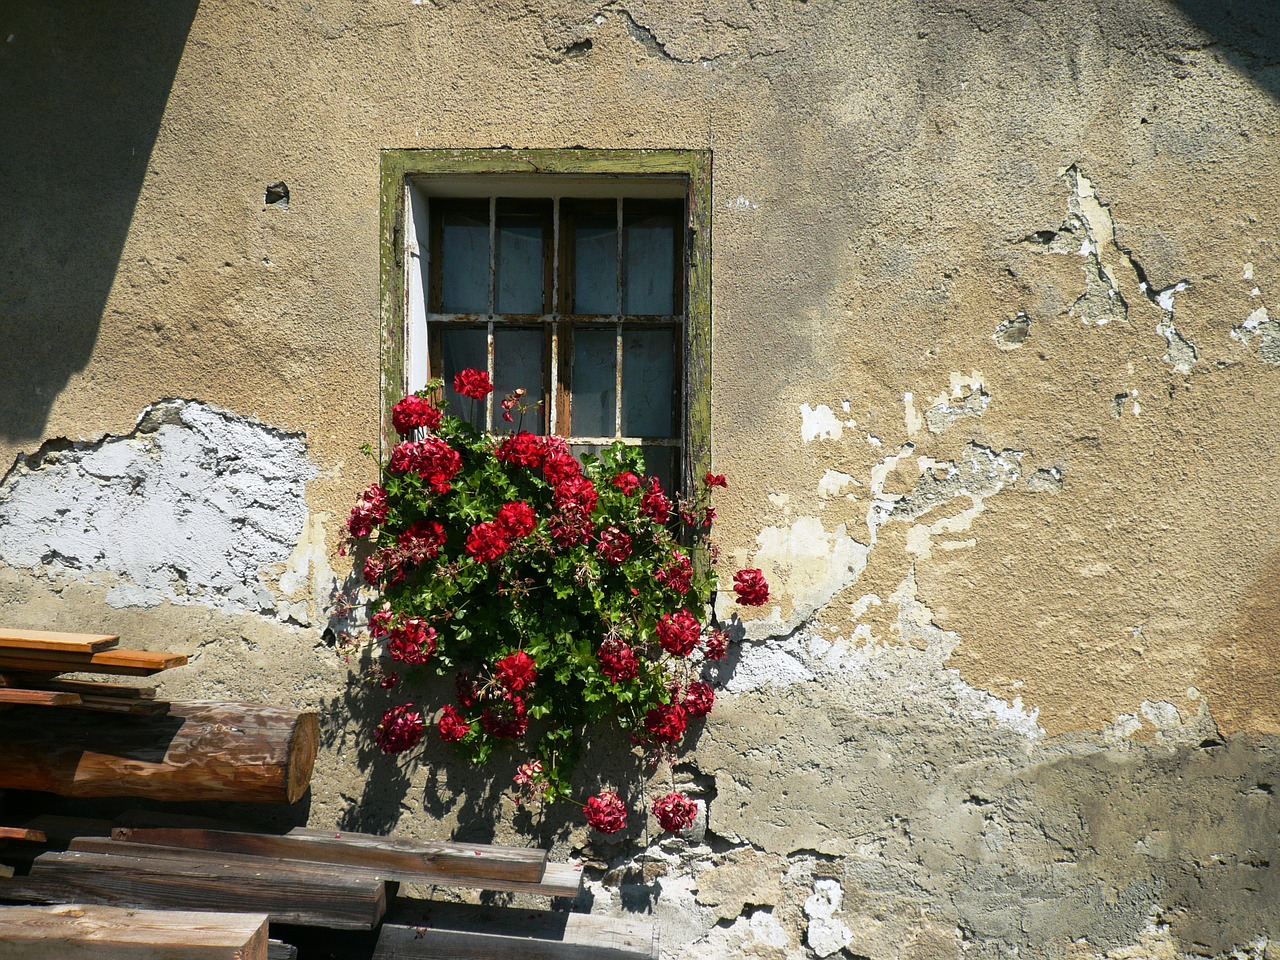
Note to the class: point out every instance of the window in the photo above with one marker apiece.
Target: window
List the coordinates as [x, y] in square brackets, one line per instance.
[584, 282]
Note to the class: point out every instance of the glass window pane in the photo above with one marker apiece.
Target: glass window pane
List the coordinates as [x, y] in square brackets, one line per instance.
[661, 462]
[520, 263]
[649, 269]
[463, 348]
[518, 362]
[648, 383]
[595, 263]
[464, 260]
[594, 382]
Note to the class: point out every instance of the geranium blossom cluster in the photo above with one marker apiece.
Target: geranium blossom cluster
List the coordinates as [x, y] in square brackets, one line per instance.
[560, 592]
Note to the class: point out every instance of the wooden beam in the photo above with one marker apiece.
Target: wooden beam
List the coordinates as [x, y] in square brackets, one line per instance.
[57, 641]
[39, 698]
[396, 858]
[94, 688]
[112, 933]
[203, 750]
[420, 929]
[138, 663]
[279, 950]
[23, 833]
[306, 897]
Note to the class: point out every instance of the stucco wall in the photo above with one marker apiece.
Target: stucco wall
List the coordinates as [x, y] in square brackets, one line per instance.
[996, 382]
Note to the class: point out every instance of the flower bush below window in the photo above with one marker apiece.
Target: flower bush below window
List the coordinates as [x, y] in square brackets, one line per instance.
[560, 593]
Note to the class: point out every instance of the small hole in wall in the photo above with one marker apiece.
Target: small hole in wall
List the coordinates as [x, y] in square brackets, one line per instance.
[277, 195]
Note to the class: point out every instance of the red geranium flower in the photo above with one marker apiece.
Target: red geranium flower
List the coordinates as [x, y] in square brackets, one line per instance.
[516, 519]
[412, 641]
[577, 492]
[570, 528]
[699, 698]
[401, 728]
[509, 719]
[369, 511]
[380, 622]
[522, 449]
[676, 575]
[452, 725]
[515, 671]
[715, 480]
[486, 542]
[654, 504]
[675, 811]
[618, 661]
[473, 383]
[716, 644]
[606, 812]
[614, 545]
[558, 467]
[751, 587]
[422, 540]
[678, 634]
[626, 482]
[666, 722]
[413, 412]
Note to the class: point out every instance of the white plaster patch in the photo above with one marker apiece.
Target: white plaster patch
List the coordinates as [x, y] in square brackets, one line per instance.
[1260, 331]
[833, 483]
[911, 415]
[811, 564]
[820, 423]
[196, 506]
[826, 934]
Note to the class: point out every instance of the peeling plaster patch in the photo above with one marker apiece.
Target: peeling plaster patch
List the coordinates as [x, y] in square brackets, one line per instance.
[820, 423]
[1089, 220]
[1011, 334]
[1182, 352]
[195, 506]
[1047, 480]
[742, 203]
[967, 399]
[912, 417]
[833, 483]
[1120, 399]
[826, 934]
[814, 564]
[1259, 328]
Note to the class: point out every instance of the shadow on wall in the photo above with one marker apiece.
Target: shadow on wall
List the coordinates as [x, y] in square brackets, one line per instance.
[85, 86]
[1247, 34]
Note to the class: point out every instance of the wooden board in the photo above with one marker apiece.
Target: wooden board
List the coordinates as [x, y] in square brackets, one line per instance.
[113, 933]
[56, 641]
[396, 858]
[96, 688]
[23, 833]
[61, 828]
[308, 898]
[420, 929]
[279, 950]
[558, 880]
[39, 698]
[137, 663]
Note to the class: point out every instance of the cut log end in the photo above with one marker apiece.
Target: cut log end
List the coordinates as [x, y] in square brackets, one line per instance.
[302, 756]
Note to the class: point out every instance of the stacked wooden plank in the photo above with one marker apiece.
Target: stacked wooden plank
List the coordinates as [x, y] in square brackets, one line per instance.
[308, 877]
[47, 653]
[180, 750]
[109, 933]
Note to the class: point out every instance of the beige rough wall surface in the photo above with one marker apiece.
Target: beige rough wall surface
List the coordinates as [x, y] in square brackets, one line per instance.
[996, 382]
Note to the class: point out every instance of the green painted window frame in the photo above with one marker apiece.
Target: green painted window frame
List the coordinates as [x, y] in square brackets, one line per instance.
[400, 166]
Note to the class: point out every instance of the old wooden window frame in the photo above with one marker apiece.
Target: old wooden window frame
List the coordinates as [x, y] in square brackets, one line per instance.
[406, 172]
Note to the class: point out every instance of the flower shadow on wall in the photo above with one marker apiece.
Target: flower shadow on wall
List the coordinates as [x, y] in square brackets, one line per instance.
[559, 594]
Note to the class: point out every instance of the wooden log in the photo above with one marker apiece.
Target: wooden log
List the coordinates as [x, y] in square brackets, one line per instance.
[203, 750]
[137, 663]
[416, 930]
[56, 641]
[288, 895]
[113, 933]
[399, 858]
